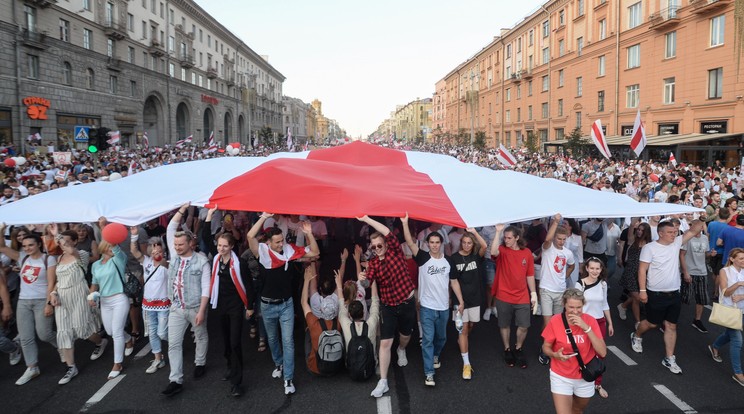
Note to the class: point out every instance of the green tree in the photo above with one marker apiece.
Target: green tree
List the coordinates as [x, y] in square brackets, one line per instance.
[575, 144]
[480, 140]
[266, 135]
[463, 137]
[532, 143]
[420, 137]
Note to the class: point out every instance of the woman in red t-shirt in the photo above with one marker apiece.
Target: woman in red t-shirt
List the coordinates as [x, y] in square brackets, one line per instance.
[571, 393]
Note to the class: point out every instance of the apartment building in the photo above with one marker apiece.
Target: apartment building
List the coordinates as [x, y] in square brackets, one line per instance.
[161, 67]
[575, 61]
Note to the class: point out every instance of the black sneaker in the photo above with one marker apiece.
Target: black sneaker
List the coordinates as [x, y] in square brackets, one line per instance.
[543, 359]
[509, 357]
[172, 389]
[199, 371]
[521, 362]
[697, 324]
[236, 391]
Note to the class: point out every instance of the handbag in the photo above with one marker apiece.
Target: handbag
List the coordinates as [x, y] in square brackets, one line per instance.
[724, 315]
[596, 366]
[132, 286]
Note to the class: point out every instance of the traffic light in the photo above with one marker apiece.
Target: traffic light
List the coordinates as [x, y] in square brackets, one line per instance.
[93, 141]
[102, 139]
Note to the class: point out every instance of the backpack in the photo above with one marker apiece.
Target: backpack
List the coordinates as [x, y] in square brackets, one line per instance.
[360, 356]
[330, 354]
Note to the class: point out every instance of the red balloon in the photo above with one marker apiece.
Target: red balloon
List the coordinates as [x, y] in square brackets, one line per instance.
[654, 178]
[114, 233]
[9, 162]
[235, 144]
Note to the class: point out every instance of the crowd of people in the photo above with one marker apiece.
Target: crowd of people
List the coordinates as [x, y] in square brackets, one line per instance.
[64, 281]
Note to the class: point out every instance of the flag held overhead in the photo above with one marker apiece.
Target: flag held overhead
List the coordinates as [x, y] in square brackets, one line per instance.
[599, 139]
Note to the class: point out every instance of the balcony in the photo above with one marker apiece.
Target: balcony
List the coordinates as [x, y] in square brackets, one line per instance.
[156, 49]
[42, 3]
[211, 73]
[187, 61]
[526, 74]
[516, 78]
[115, 30]
[35, 40]
[664, 18]
[708, 6]
[114, 64]
[231, 81]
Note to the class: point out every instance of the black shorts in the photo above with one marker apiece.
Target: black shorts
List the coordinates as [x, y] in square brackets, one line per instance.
[400, 318]
[663, 306]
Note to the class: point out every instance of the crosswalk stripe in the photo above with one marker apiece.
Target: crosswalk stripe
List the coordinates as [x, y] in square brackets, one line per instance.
[384, 405]
[144, 351]
[622, 355]
[98, 396]
[686, 408]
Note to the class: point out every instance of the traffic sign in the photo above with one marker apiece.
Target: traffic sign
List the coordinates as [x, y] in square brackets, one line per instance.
[82, 133]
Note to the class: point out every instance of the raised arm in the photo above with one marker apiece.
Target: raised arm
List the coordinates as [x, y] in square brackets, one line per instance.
[481, 241]
[407, 235]
[134, 246]
[496, 240]
[206, 232]
[307, 230]
[375, 225]
[309, 275]
[170, 231]
[695, 228]
[551, 232]
[253, 232]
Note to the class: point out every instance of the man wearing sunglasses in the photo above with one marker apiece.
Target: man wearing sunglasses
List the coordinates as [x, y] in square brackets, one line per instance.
[388, 266]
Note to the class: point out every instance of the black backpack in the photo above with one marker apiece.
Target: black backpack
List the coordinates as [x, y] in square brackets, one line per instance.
[330, 355]
[360, 355]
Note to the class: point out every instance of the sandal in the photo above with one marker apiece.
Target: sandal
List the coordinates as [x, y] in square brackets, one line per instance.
[253, 331]
[135, 336]
[261, 345]
[602, 392]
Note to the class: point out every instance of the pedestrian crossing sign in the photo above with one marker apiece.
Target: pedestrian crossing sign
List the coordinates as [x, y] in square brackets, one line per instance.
[82, 133]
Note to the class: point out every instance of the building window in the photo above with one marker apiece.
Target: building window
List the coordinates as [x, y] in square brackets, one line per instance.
[669, 90]
[209, 84]
[560, 107]
[529, 88]
[508, 51]
[560, 78]
[715, 83]
[201, 81]
[632, 96]
[529, 112]
[33, 66]
[579, 86]
[162, 11]
[546, 28]
[634, 15]
[579, 46]
[546, 55]
[130, 22]
[545, 83]
[209, 40]
[519, 91]
[201, 36]
[110, 47]
[130, 55]
[171, 69]
[531, 37]
[543, 135]
[170, 16]
[634, 56]
[132, 88]
[152, 6]
[559, 134]
[144, 30]
[113, 84]
[561, 18]
[193, 78]
[171, 44]
[580, 6]
[183, 74]
[670, 45]
[578, 120]
[600, 101]
[519, 114]
[144, 59]
[545, 110]
[716, 30]
[602, 29]
[86, 5]
[87, 39]
[67, 73]
[90, 79]
[561, 47]
[508, 94]
[508, 115]
[64, 30]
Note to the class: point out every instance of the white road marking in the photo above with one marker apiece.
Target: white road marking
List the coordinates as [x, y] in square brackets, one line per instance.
[384, 406]
[98, 396]
[622, 355]
[710, 308]
[674, 399]
[144, 351]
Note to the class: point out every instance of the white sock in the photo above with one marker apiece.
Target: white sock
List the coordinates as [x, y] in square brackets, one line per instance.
[465, 359]
[383, 381]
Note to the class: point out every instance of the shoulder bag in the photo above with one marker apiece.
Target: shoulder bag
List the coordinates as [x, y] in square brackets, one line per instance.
[595, 368]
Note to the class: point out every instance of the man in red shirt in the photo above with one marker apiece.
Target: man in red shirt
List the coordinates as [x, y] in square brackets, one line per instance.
[514, 289]
[388, 267]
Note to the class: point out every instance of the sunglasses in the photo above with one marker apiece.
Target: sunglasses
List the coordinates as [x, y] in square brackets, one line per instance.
[376, 246]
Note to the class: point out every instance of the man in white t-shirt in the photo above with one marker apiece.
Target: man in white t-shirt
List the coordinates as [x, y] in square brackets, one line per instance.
[557, 265]
[435, 278]
[434, 227]
[659, 282]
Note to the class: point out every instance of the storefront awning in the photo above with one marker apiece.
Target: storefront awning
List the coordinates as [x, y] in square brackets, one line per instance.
[655, 140]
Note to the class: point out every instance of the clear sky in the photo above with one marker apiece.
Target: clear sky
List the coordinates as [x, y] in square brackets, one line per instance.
[362, 58]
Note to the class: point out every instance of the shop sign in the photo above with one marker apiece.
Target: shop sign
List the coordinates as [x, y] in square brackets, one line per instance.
[668, 129]
[627, 130]
[209, 99]
[713, 127]
[36, 108]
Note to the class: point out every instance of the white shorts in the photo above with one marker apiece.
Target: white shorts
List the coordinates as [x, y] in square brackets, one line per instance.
[469, 314]
[551, 303]
[568, 386]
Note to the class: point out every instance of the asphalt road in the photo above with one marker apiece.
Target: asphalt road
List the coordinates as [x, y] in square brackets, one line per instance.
[645, 386]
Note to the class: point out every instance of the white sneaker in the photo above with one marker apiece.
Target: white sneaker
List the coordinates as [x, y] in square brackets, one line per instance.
[429, 381]
[69, 375]
[487, 314]
[402, 359]
[277, 372]
[494, 312]
[128, 351]
[437, 364]
[15, 356]
[636, 343]
[671, 363]
[27, 376]
[99, 349]
[155, 365]
[289, 387]
[380, 389]
[622, 312]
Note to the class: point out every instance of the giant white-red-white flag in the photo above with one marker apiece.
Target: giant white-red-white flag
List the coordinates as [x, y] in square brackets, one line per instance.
[672, 159]
[505, 157]
[599, 139]
[638, 138]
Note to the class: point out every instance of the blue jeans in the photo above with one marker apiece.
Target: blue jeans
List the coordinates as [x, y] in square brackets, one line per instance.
[611, 266]
[733, 336]
[434, 325]
[6, 344]
[275, 317]
[157, 329]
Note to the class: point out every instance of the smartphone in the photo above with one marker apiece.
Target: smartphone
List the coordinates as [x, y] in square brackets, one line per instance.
[571, 355]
